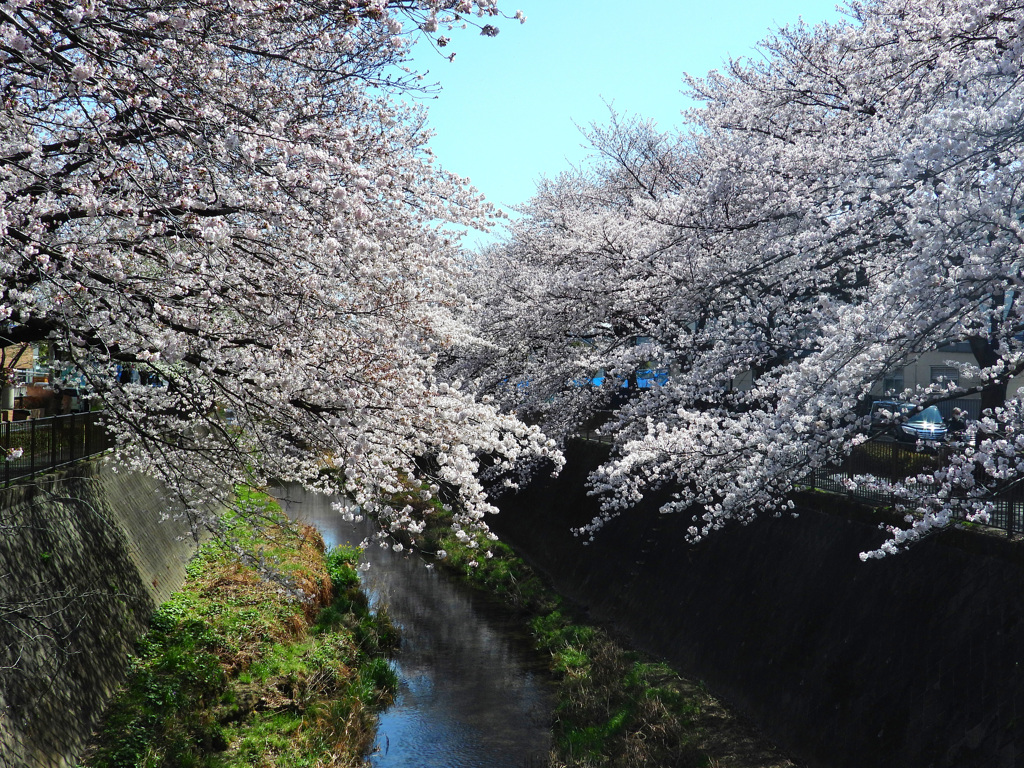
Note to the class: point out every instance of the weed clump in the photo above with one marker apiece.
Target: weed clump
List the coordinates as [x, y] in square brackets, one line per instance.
[269, 655]
[614, 707]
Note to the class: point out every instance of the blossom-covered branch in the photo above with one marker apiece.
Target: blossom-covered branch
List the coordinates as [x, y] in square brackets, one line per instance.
[836, 208]
[230, 199]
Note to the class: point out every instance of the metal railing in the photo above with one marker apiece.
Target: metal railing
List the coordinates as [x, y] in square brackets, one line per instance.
[896, 461]
[890, 460]
[592, 436]
[40, 445]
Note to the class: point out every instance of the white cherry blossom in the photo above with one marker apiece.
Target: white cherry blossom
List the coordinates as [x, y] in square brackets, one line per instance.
[836, 207]
[232, 199]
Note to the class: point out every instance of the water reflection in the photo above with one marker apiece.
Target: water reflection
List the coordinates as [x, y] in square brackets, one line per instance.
[473, 694]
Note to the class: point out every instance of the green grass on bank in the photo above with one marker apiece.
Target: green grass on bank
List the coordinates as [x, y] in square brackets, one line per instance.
[614, 708]
[241, 670]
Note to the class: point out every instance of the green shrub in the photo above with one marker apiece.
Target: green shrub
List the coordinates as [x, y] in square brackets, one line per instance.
[234, 672]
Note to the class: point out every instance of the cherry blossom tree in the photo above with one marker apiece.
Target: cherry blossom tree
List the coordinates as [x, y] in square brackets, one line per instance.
[835, 208]
[229, 198]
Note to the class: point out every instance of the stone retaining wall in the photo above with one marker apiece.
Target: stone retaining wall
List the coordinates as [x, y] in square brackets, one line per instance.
[85, 556]
[914, 661]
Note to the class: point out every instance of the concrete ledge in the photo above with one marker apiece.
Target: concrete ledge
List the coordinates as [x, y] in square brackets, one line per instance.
[85, 556]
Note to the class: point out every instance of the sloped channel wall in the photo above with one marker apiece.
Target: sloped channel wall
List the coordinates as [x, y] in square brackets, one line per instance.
[914, 661]
[84, 559]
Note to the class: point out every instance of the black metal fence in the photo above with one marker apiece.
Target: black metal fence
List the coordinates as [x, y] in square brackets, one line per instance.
[896, 461]
[39, 445]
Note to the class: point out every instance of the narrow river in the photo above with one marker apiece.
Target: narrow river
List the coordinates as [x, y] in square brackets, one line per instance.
[472, 693]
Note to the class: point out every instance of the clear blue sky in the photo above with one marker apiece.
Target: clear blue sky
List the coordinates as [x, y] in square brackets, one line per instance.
[509, 105]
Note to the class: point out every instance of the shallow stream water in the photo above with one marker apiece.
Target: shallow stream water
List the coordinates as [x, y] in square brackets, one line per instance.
[472, 692]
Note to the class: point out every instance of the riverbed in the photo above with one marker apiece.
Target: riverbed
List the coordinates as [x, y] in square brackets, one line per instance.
[473, 693]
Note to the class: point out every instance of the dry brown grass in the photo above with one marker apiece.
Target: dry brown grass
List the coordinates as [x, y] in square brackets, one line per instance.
[730, 741]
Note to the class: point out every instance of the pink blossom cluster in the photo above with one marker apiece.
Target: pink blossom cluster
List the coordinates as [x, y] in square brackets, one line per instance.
[229, 201]
[838, 206]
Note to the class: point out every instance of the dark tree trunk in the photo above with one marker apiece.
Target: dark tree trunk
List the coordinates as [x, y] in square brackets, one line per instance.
[994, 393]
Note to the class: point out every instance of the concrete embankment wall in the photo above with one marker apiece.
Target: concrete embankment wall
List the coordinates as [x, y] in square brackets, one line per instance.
[913, 661]
[84, 559]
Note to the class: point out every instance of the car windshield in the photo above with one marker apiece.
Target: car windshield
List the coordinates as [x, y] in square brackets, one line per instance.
[929, 414]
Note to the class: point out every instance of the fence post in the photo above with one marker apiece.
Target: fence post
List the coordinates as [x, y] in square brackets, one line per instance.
[32, 450]
[7, 453]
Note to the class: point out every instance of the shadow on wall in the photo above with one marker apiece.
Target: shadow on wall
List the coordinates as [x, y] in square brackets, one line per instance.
[77, 584]
[914, 661]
